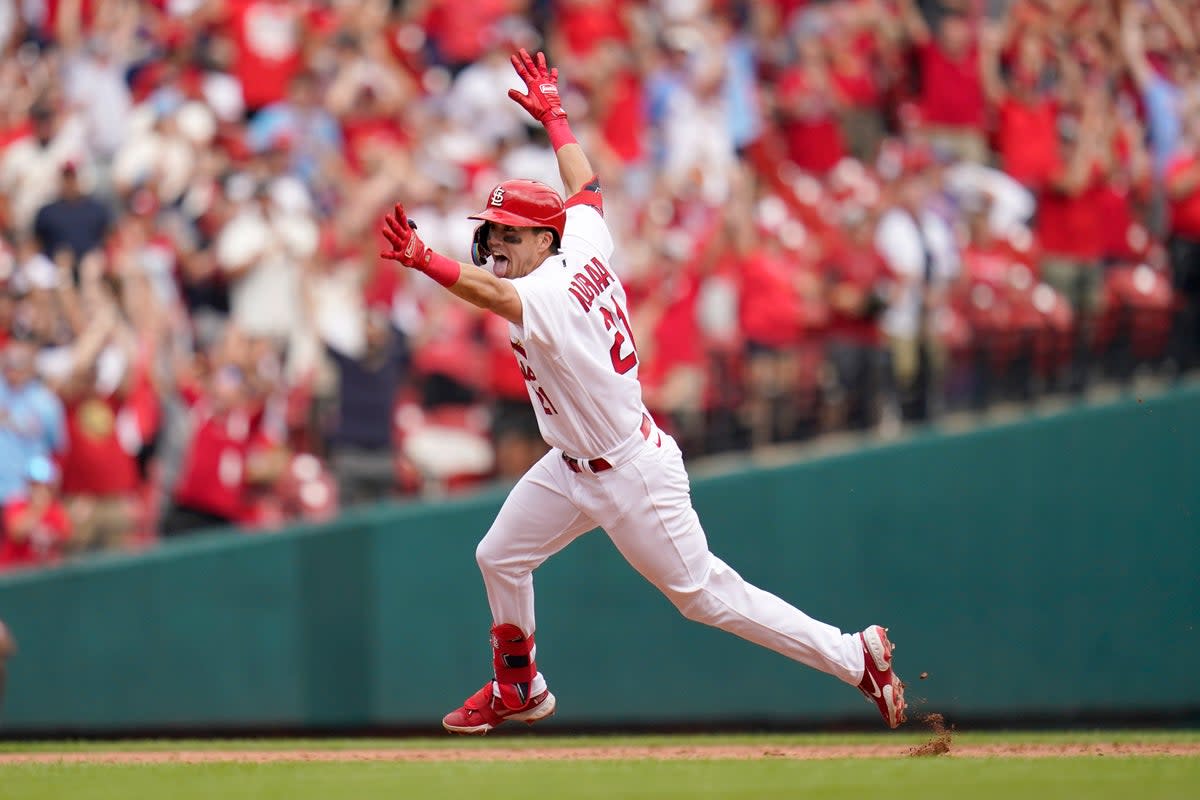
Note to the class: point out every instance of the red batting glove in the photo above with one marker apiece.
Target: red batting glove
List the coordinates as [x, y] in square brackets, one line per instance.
[543, 101]
[401, 233]
[410, 251]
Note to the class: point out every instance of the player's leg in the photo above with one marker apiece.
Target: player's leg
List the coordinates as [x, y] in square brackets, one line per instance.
[653, 524]
[658, 532]
[537, 520]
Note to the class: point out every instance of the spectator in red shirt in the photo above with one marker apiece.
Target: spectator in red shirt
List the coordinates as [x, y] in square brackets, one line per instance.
[1125, 199]
[100, 470]
[852, 48]
[54, 13]
[619, 108]
[270, 496]
[460, 39]
[36, 525]
[856, 288]
[268, 40]
[447, 358]
[951, 73]
[369, 118]
[579, 25]
[670, 341]
[1027, 114]
[776, 286]
[225, 414]
[1182, 181]
[1070, 230]
[809, 106]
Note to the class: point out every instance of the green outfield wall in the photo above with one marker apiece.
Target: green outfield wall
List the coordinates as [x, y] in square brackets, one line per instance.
[1046, 567]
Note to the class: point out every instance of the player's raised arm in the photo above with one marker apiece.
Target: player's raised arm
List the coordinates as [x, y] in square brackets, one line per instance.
[477, 286]
[544, 104]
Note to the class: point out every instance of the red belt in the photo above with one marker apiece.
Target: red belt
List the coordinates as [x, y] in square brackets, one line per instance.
[601, 464]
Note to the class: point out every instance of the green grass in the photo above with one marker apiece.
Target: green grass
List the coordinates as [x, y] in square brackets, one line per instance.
[1094, 778]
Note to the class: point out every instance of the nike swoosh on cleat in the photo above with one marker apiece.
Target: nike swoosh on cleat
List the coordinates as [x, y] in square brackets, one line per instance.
[877, 692]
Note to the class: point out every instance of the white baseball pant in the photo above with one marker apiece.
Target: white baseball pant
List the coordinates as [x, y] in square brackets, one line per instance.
[644, 505]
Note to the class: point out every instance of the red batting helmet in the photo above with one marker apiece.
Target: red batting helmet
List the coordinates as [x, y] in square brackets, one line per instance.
[525, 204]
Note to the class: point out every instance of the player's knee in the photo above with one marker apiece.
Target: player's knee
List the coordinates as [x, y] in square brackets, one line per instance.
[492, 558]
[486, 556]
[694, 604]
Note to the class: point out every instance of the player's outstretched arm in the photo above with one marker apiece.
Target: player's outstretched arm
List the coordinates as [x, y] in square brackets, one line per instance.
[544, 104]
[477, 286]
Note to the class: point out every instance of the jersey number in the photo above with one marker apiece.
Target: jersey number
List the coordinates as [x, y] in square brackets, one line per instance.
[544, 399]
[530, 377]
[621, 364]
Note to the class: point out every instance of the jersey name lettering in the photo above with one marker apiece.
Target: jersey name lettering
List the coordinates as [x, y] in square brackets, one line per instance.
[530, 376]
[586, 286]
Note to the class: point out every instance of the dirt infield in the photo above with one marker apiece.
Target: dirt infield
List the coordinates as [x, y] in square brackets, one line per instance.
[609, 753]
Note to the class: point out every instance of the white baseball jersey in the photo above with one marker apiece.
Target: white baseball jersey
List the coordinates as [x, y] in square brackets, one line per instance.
[575, 347]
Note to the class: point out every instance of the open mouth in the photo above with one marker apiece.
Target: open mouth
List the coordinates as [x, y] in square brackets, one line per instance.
[499, 265]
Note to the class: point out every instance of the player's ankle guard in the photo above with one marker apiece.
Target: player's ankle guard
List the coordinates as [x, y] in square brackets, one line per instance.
[513, 659]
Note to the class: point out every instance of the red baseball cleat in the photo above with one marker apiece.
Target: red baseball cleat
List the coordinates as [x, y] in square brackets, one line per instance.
[483, 711]
[880, 683]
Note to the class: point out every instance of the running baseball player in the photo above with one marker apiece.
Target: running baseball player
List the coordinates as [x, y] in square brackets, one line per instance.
[610, 466]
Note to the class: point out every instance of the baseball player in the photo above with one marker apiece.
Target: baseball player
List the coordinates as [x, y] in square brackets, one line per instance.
[610, 466]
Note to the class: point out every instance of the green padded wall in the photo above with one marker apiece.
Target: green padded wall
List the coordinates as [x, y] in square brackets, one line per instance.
[1044, 567]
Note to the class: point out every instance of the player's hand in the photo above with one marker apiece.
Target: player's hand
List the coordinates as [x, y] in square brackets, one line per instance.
[401, 233]
[543, 101]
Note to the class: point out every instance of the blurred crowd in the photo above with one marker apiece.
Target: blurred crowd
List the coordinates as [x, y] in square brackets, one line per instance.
[857, 214]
